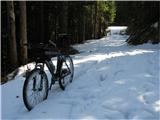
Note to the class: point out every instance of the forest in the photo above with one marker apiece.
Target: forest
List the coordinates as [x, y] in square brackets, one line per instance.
[69, 22]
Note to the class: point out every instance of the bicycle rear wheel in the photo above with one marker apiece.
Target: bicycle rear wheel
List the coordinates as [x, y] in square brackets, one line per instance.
[66, 72]
[35, 88]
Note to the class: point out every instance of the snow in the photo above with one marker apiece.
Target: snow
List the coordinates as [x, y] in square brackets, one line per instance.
[112, 81]
[116, 29]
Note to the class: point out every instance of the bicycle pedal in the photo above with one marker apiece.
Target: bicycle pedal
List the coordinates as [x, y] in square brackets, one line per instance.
[53, 82]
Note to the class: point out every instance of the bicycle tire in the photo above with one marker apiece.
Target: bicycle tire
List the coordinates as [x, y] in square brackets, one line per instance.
[62, 80]
[44, 83]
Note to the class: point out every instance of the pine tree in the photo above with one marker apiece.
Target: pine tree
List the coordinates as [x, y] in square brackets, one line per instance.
[23, 32]
[12, 35]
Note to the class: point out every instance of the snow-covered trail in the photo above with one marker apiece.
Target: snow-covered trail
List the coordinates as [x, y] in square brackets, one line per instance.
[112, 81]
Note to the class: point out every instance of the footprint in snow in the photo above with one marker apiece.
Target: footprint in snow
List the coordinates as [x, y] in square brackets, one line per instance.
[141, 114]
[147, 98]
[103, 77]
[118, 72]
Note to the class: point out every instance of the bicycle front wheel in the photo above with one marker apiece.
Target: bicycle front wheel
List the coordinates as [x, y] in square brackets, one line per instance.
[66, 72]
[35, 88]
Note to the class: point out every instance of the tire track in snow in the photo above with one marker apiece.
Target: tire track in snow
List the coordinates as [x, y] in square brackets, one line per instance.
[86, 67]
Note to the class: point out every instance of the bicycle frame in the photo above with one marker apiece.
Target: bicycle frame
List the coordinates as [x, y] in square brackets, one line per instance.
[56, 75]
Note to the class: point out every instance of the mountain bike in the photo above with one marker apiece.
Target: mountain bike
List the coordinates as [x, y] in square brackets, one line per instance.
[36, 85]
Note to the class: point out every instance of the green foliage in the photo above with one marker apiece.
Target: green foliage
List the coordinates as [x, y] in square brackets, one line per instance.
[107, 11]
[106, 15]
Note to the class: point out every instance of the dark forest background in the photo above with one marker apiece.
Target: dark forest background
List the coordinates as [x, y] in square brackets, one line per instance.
[68, 22]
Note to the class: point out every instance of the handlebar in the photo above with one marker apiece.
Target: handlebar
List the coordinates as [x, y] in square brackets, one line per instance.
[41, 45]
[52, 43]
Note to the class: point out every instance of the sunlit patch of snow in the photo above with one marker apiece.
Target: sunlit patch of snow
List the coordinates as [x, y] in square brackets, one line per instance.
[117, 27]
[114, 30]
[141, 98]
[23, 68]
[156, 106]
[121, 82]
[148, 75]
[88, 118]
[101, 57]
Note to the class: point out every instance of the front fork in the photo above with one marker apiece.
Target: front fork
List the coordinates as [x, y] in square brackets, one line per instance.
[40, 86]
[51, 69]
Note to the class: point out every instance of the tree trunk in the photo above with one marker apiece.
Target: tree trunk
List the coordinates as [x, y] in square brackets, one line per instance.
[64, 18]
[63, 22]
[84, 27]
[42, 27]
[95, 20]
[12, 34]
[92, 23]
[23, 32]
[99, 28]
